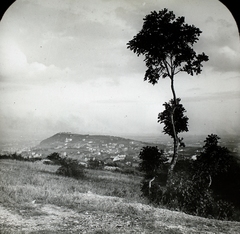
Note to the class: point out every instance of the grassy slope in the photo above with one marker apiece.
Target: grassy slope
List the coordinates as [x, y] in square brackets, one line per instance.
[34, 199]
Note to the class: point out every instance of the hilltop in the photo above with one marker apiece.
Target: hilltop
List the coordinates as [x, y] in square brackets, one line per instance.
[68, 138]
[106, 148]
[83, 147]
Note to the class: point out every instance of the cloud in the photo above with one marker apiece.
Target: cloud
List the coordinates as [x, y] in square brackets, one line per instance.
[16, 68]
[221, 96]
[12, 59]
[65, 67]
[220, 41]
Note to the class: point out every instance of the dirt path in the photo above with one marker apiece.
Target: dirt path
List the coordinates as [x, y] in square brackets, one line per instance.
[48, 218]
[55, 219]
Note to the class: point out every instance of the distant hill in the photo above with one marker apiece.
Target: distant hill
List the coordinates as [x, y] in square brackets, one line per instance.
[71, 138]
[83, 147]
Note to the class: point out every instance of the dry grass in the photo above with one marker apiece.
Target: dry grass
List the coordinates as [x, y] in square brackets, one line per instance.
[34, 199]
[24, 182]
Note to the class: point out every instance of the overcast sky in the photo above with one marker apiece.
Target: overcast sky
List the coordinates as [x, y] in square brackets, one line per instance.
[65, 67]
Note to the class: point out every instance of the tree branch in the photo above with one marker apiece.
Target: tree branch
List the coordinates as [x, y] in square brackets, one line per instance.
[210, 181]
[177, 71]
[150, 184]
[167, 68]
[172, 66]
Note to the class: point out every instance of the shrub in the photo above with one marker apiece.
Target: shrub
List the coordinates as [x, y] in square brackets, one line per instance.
[206, 187]
[4, 156]
[13, 156]
[69, 167]
[186, 194]
[153, 193]
[153, 166]
[95, 164]
[152, 160]
[55, 157]
[182, 193]
[218, 169]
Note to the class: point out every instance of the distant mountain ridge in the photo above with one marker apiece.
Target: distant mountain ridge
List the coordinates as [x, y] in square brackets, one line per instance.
[85, 146]
[68, 143]
[64, 137]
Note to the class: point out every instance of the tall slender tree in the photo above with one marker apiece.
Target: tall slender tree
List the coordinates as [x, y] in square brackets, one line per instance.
[167, 42]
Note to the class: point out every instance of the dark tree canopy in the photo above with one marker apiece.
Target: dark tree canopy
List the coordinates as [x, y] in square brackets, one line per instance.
[167, 44]
[211, 142]
[214, 159]
[151, 159]
[181, 121]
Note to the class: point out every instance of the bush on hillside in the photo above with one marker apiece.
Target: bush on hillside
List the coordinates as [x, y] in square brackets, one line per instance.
[153, 165]
[188, 195]
[153, 193]
[152, 160]
[55, 158]
[205, 187]
[19, 157]
[69, 167]
[95, 164]
[218, 170]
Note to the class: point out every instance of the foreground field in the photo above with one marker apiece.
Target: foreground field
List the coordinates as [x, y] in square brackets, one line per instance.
[35, 200]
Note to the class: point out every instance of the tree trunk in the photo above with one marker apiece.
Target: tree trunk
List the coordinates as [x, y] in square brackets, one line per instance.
[173, 91]
[150, 184]
[175, 136]
[175, 147]
[210, 181]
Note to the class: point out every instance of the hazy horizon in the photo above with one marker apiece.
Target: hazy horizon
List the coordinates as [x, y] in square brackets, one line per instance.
[65, 67]
[144, 137]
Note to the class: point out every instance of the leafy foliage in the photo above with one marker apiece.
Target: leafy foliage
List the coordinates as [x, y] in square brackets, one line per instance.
[151, 160]
[153, 166]
[95, 164]
[19, 157]
[216, 167]
[153, 193]
[167, 42]
[206, 187]
[69, 167]
[181, 121]
[55, 157]
[213, 161]
[191, 196]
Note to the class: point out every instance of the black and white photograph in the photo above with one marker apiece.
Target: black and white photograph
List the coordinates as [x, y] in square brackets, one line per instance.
[119, 117]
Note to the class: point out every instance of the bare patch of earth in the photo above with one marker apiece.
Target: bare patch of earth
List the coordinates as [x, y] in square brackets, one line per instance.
[49, 218]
